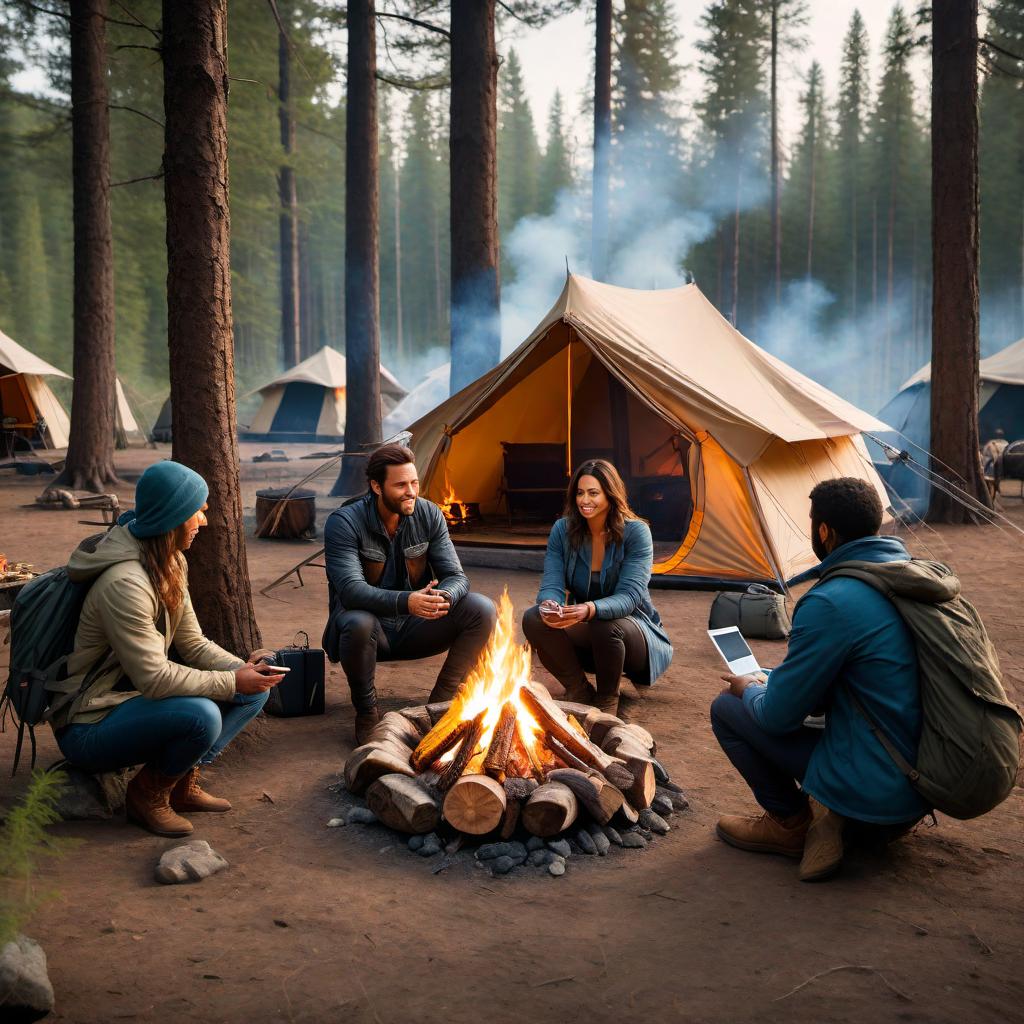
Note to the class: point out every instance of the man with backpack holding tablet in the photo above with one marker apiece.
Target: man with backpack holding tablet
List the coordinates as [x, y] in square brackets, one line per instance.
[916, 716]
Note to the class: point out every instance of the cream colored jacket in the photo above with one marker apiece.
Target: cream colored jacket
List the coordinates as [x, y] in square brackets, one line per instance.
[122, 617]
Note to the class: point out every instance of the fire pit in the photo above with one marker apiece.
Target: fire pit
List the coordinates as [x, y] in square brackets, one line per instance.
[504, 758]
[459, 514]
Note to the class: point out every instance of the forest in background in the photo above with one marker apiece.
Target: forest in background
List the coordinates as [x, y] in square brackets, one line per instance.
[691, 192]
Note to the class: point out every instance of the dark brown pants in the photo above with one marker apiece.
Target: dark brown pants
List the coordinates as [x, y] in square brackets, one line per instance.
[606, 647]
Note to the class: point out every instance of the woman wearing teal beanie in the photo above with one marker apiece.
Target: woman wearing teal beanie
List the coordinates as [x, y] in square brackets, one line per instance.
[133, 704]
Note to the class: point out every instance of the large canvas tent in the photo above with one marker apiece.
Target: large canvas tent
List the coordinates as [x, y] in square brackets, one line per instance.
[307, 402]
[719, 441]
[26, 398]
[126, 427]
[908, 413]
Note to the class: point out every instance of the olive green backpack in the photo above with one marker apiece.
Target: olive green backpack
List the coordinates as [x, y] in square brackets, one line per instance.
[969, 754]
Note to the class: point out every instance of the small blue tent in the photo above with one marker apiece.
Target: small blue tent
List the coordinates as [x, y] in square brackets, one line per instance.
[1000, 404]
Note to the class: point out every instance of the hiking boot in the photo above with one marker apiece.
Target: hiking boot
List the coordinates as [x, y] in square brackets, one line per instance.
[823, 847]
[147, 803]
[188, 795]
[579, 691]
[765, 832]
[365, 723]
[608, 703]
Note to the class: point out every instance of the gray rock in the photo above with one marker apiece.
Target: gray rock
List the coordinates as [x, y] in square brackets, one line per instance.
[613, 835]
[633, 841]
[560, 846]
[190, 862]
[336, 823]
[503, 865]
[660, 775]
[538, 858]
[430, 846]
[86, 797]
[25, 990]
[361, 816]
[677, 799]
[492, 851]
[662, 805]
[585, 842]
[415, 842]
[601, 843]
[556, 868]
[649, 818]
[645, 833]
[534, 843]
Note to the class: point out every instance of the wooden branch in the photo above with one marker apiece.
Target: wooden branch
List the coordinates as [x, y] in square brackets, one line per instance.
[554, 723]
[551, 809]
[467, 748]
[438, 742]
[569, 759]
[597, 723]
[419, 718]
[133, 181]
[368, 763]
[416, 22]
[501, 740]
[575, 725]
[395, 727]
[598, 796]
[475, 804]
[405, 804]
[141, 113]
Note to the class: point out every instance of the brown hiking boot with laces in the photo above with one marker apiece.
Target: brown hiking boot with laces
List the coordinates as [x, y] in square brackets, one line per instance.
[765, 833]
[823, 847]
[189, 795]
[147, 803]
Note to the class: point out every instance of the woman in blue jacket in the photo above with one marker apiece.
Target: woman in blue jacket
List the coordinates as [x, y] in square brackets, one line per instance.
[594, 611]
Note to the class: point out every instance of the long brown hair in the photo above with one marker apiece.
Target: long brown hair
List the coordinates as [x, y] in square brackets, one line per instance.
[611, 483]
[164, 563]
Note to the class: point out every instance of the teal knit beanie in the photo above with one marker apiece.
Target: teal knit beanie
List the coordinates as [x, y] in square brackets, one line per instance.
[167, 495]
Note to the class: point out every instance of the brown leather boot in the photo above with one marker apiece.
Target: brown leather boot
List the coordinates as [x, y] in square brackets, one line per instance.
[147, 803]
[608, 703]
[823, 847]
[189, 795]
[765, 833]
[579, 691]
[365, 722]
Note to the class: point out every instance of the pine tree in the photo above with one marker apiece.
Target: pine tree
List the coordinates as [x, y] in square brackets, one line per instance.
[391, 325]
[851, 118]
[555, 174]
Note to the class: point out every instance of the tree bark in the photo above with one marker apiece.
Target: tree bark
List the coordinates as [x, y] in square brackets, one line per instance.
[199, 317]
[90, 460]
[602, 138]
[475, 311]
[362, 273]
[291, 284]
[776, 190]
[955, 323]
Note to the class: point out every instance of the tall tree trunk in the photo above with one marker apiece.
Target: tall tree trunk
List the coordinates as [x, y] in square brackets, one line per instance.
[956, 347]
[199, 318]
[310, 300]
[475, 310]
[776, 189]
[90, 461]
[291, 326]
[854, 253]
[362, 273]
[602, 138]
[399, 341]
[736, 250]
[811, 202]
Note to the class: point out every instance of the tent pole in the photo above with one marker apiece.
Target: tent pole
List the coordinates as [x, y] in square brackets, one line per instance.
[568, 406]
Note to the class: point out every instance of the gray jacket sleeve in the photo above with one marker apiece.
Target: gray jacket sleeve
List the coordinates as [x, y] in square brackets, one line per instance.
[345, 571]
[443, 560]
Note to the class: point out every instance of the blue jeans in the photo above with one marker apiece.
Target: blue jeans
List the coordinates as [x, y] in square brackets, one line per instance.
[172, 734]
[770, 765]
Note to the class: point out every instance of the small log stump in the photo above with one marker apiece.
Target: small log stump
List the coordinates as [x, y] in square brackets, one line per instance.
[475, 804]
[551, 809]
[285, 517]
[368, 763]
[405, 804]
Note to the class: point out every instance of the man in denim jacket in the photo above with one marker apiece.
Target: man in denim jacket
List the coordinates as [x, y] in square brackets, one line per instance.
[397, 589]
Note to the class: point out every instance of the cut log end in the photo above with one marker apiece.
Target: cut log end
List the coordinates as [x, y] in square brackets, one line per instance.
[475, 804]
[551, 809]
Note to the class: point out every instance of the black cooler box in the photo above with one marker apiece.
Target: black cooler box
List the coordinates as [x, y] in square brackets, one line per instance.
[301, 692]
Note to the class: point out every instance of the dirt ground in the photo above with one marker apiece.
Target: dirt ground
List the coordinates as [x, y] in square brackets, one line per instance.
[314, 924]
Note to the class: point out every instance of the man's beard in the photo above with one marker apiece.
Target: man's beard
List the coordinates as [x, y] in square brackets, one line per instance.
[817, 544]
[396, 506]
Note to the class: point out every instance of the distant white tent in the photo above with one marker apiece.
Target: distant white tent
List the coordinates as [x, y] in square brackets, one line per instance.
[26, 398]
[307, 402]
[126, 427]
[430, 392]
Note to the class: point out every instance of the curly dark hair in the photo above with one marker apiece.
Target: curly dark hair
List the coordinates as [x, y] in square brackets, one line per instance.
[849, 505]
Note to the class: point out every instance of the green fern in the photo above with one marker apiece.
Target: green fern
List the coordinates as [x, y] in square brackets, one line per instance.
[23, 840]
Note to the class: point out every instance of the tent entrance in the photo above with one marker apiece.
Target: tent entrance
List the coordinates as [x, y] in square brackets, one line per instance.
[560, 409]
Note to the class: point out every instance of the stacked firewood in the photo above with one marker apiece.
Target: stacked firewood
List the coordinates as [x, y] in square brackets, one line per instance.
[583, 764]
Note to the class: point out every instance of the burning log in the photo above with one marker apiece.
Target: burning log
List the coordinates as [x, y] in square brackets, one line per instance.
[467, 748]
[627, 743]
[551, 809]
[550, 718]
[600, 798]
[567, 758]
[419, 718]
[475, 804]
[404, 803]
[435, 712]
[368, 763]
[501, 741]
[569, 707]
[438, 742]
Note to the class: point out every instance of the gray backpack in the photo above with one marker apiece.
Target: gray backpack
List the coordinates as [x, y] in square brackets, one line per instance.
[759, 612]
[969, 754]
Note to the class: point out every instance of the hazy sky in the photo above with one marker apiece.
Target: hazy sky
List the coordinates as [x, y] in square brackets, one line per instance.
[559, 56]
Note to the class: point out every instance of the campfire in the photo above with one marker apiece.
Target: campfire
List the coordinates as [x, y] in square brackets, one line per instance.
[503, 756]
[458, 513]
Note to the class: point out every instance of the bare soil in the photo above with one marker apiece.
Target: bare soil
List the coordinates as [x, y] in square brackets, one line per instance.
[314, 924]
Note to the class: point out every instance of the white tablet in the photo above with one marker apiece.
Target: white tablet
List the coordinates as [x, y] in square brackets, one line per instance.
[734, 650]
